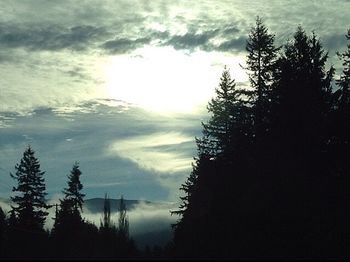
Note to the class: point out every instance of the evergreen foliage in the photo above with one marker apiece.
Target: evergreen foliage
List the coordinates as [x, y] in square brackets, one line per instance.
[272, 159]
[30, 209]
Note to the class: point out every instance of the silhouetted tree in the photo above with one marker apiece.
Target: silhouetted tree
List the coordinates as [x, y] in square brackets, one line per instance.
[108, 233]
[125, 244]
[123, 222]
[69, 225]
[340, 136]
[261, 63]
[3, 233]
[206, 189]
[30, 201]
[250, 198]
[72, 192]
[26, 235]
[106, 219]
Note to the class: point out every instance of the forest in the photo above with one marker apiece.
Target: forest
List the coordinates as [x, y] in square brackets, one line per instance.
[270, 179]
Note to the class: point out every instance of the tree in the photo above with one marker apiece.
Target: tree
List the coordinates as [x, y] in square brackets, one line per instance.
[261, 58]
[123, 222]
[3, 233]
[344, 80]
[70, 206]
[208, 190]
[227, 109]
[31, 204]
[69, 226]
[72, 193]
[125, 244]
[106, 222]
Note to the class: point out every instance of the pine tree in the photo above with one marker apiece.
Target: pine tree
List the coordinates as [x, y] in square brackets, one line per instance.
[227, 109]
[30, 201]
[302, 93]
[3, 233]
[342, 99]
[344, 80]
[300, 178]
[125, 244]
[108, 240]
[208, 188]
[68, 214]
[123, 222]
[261, 64]
[72, 192]
[69, 227]
[106, 222]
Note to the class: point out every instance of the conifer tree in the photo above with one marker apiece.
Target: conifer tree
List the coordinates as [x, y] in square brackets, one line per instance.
[206, 189]
[261, 59]
[30, 210]
[123, 222]
[226, 109]
[302, 93]
[106, 222]
[73, 193]
[69, 227]
[344, 80]
[68, 216]
[3, 233]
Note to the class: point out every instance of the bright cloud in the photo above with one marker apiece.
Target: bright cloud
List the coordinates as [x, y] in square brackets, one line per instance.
[158, 151]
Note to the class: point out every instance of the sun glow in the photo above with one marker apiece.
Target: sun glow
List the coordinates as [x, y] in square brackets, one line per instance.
[165, 80]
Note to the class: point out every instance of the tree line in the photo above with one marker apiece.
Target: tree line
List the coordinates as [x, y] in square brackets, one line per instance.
[271, 179]
[22, 233]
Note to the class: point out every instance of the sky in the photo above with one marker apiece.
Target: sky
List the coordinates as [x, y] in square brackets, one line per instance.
[122, 86]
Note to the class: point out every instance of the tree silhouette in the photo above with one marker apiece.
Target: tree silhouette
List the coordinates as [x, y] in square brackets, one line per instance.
[268, 168]
[123, 222]
[69, 227]
[72, 192]
[261, 62]
[26, 235]
[3, 233]
[30, 201]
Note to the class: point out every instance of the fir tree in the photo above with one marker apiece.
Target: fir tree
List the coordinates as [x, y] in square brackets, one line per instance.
[123, 222]
[261, 62]
[30, 209]
[344, 80]
[227, 109]
[72, 192]
[106, 222]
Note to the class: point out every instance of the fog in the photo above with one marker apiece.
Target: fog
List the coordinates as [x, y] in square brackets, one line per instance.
[149, 223]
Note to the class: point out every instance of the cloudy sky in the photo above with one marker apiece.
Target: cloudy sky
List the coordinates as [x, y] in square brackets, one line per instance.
[122, 86]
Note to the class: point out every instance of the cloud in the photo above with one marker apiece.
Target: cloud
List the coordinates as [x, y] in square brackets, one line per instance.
[237, 44]
[191, 40]
[61, 136]
[143, 217]
[158, 151]
[52, 37]
[124, 45]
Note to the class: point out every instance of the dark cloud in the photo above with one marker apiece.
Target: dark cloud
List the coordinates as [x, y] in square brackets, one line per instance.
[124, 45]
[237, 44]
[51, 37]
[230, 30]
[192, 40]
[83, 37]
